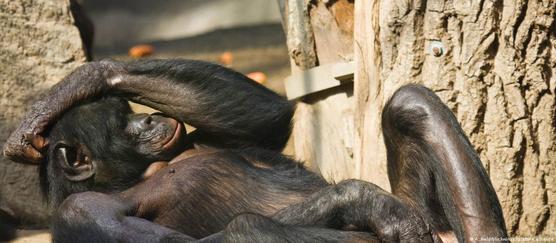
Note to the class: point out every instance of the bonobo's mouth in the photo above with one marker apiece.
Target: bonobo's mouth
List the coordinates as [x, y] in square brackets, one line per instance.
[174, 138]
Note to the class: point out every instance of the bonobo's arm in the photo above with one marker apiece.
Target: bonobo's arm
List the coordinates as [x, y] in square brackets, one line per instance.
[97, 217]
[361, 205]
[226, 107]
[25, 142]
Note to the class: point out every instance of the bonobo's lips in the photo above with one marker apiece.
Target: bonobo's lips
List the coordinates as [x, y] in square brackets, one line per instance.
[175, 138]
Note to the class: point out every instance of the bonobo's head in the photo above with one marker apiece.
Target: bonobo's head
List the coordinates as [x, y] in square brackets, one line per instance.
[104, 146]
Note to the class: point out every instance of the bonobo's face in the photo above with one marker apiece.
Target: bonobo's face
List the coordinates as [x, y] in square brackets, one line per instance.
[104, 146]
[156, 136]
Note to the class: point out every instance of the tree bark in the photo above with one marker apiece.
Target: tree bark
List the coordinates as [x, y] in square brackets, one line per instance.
[39, 45]
[494, 64]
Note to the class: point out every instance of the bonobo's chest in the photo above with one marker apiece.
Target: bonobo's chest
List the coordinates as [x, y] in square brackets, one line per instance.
[200, 194]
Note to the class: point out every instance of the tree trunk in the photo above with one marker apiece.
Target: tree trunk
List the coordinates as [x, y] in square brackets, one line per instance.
[39, 45]
[494, 64]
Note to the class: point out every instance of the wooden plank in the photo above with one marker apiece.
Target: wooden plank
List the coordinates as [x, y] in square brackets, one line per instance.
[318, 79]
[323, 133]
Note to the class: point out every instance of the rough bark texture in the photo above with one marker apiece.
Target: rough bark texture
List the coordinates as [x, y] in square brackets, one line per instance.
[369, 148]
[39, 45]
[496, 69]
[300, 41]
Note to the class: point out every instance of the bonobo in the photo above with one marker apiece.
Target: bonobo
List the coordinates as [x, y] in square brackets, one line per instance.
[227, 179]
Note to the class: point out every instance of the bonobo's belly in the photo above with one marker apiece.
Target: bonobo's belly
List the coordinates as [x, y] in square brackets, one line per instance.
[199, 195]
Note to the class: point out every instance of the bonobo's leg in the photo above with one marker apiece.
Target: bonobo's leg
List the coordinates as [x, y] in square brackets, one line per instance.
[257, 228]
[97, 217]
[361, 206]
[434, 169]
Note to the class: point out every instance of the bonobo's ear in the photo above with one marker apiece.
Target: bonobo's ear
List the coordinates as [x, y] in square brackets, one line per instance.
[75, 161]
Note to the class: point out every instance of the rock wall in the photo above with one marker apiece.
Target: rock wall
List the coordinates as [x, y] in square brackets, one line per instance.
[39, 45]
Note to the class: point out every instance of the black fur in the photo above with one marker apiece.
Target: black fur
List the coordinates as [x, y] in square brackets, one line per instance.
[229, 109]
[104, 136]
[243, 189]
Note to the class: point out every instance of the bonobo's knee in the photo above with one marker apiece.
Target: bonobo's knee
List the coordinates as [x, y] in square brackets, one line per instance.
[75, 205]
[72, 222]
[410, 109]
[87, 206]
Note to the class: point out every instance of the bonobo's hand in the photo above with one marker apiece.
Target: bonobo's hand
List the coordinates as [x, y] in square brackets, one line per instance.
[396, 222]
[390, 218]
[26, 143]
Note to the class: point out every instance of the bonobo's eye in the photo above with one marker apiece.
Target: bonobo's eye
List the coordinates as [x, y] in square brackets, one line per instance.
[75, 162]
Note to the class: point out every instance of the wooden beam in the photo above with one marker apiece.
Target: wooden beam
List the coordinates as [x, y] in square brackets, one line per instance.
[318, 79]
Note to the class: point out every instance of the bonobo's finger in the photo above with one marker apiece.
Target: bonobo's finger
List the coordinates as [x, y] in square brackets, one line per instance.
[38, 141]
[87, 81]
[31, 154]
[19, 149]
[153, 168]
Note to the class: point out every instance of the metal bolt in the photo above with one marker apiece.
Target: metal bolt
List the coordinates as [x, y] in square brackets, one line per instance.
[437, 51]
[436, 48]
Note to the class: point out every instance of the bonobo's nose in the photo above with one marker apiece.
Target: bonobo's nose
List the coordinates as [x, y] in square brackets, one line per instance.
[147, 120]
[142, 121]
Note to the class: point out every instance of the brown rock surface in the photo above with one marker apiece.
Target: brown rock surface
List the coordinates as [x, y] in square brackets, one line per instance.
[39, 44]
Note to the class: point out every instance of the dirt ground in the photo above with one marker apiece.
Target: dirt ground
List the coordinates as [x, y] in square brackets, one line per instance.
[255, 49]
